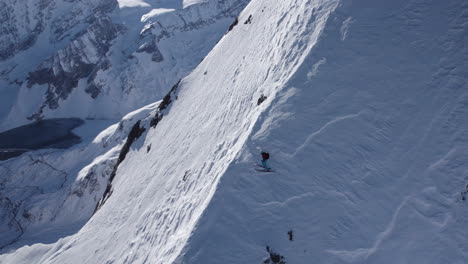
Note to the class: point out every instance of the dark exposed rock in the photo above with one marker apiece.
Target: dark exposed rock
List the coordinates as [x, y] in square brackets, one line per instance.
[231, 27]
[90, 183]
[274, 258]
[167, 100]
[261, 99]
[150, 47]
[93, 88]
[11, 39]
[64, 26]
[134, 134]
[78, 60]
[157, 56]
[20, 31]
[163, 30]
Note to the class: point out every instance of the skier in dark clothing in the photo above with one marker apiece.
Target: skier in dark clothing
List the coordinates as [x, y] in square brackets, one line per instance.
[265, 157]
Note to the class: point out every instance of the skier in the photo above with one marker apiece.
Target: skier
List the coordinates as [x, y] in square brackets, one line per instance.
[265, 157]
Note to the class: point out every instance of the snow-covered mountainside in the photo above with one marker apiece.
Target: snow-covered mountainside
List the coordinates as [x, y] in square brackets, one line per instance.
[363, 110]
[100, 58]
[47, 194]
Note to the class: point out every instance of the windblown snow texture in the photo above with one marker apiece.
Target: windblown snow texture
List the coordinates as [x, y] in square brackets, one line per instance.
[365, 121]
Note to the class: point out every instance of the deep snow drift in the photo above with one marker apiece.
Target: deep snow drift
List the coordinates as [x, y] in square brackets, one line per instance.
[365, 120]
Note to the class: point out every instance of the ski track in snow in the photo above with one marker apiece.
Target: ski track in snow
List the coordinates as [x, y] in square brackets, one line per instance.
[345, 28]
[360, 255]
[322, 129]
[369, 148]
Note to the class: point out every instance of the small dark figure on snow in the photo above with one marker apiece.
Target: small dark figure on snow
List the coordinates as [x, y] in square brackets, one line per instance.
[464, 193]
[265, 157]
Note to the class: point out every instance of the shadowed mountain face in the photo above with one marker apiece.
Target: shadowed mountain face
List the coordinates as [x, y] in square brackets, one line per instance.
[49, 133]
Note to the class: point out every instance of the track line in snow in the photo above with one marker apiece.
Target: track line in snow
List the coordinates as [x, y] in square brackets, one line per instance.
[322, 129]
[361, 254]
[289, 200]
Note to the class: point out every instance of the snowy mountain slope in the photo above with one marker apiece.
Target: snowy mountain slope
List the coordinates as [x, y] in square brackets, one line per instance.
[369, 142]
[192, 169]
[47, 194]
[104, 59]
[365, 123]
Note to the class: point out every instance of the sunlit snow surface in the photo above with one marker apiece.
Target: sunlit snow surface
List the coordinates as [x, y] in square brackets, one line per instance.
[365, 121]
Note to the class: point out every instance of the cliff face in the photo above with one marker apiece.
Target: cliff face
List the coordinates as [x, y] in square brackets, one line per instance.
[55, 55]
[22, 23]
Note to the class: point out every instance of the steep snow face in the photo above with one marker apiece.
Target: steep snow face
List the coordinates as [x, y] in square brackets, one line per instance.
[158, 195]
[368, 141]
[100, 59]
[364, 118]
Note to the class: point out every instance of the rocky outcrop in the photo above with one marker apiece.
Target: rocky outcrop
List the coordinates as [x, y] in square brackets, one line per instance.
[120, 59]
[20, 26]
[148, 45]
[192, 18]
[81, 59]
[22, 22]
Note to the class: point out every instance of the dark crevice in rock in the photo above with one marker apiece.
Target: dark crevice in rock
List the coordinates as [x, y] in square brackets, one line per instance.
[167, 100]
[134, 134]
[164, 31]
[231, 27]
[150, 47]
[93, 88]
[274, 257]
[261, 99]
[67, 67]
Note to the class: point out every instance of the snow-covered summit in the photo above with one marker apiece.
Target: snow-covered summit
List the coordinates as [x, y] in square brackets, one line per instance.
[365, 121]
